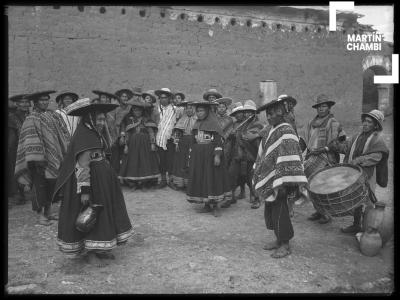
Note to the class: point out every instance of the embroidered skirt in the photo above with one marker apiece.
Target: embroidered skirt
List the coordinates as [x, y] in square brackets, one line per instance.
[140, 163]
[113, 226]
[207, 183]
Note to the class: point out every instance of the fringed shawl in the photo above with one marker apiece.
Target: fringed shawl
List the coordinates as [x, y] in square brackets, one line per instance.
[278, 162]
[210, 123]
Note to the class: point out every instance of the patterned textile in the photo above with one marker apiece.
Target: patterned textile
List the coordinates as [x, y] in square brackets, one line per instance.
[186, 123]
[226, 123]
[167, 122]
[16, 119]
[118, 115]
[43, 138]
[279, 162]
[71, 122]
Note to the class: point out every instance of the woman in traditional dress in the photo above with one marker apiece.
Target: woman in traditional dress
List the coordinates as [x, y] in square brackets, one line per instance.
[86, 177]
[208, 177]
[182, 135]
[140, 163]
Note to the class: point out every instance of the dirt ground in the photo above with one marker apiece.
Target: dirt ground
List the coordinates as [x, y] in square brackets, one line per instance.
[177, 250]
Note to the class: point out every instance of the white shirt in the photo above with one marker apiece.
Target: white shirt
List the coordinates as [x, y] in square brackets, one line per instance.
[70, 121]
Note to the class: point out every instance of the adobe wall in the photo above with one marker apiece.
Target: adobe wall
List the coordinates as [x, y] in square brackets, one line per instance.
[84, 50]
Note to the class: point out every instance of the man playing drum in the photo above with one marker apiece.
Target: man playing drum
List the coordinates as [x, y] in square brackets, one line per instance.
[278, 173]
[320, 131]
[368, 150]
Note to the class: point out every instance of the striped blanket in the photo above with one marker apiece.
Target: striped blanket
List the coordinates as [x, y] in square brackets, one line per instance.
[44, 137]
[278, 162]
[166, 125]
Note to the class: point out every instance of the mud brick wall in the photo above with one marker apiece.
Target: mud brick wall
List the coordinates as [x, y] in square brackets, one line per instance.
[67, 48]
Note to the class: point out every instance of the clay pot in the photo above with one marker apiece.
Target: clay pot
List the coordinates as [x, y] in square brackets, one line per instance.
[381, 218]
[370, 242]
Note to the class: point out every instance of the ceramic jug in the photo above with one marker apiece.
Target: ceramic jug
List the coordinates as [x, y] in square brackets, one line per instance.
[370, 242]
[381, 218]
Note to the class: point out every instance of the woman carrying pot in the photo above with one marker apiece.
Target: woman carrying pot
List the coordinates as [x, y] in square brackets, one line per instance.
[87, 178]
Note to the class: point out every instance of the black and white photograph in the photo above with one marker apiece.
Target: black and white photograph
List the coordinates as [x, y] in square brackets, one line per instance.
[200, 149]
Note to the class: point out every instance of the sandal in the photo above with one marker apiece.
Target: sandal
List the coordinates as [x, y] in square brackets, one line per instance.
[271, 245]
[281, 252]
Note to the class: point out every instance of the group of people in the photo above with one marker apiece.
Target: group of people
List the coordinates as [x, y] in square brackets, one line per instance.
[84, 151]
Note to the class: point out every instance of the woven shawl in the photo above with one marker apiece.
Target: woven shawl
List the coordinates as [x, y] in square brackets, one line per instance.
[43, 137]
[278, 162]
[186, 123]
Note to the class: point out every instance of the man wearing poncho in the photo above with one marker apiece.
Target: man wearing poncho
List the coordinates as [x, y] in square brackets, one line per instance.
[42, 145]
[278, 171]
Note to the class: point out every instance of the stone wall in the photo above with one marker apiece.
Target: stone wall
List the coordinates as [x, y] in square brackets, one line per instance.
[85, 49]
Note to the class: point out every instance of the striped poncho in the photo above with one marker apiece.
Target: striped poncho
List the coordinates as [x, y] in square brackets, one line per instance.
[278, 162]
[43, 138]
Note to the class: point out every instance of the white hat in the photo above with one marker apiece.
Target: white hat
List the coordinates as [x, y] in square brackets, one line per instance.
[163, 91]
[249, 105]
[237, 106]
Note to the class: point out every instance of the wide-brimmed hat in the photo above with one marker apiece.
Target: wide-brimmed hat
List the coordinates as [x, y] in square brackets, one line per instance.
[377, 115]
[185, 103]
[249, 105]
[109, 95]
[35, 96]
[137, 91]
[269, 104]
[236, 107]
[224, 100]
[85, 105]
[288, 98]
[73, 95]
[151, 94]
[204, 102]
[212, 92]
[164, 91]
[141, 104]
[321, 99]
[180, 94]
[124, 91]
[19, 97]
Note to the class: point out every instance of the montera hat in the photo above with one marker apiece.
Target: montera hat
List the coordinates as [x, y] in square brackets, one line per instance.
[321, 99]
[35, 96]
[249, 105]
[269, 104]
[204, 102]
[236, 107]
[86, 105]
[163, 91]
[151, 94]
[109, 95]
[141, 104]
[180, 94]
[288, 98]
[377, 115]
[211, 92]
[124, 91]
[19, 97]
[224, 100]
[67, 93]
[137, 91]
[186, 102]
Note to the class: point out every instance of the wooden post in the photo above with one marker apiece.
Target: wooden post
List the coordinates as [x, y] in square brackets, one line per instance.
[268, 92]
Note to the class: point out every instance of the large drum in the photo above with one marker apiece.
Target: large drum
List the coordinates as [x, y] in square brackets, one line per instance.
[337, 190]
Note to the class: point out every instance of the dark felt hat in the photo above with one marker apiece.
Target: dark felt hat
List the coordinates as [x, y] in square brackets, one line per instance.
[321, 99]
[185, 103]
[126, 91]
[180, 94]
[224, 100]
[19, 97]
[212, 92]
[288, 98]
[35, 96]
[67, 93]
[204, 102]
[109, 95]
[86, 105]
[269, 104]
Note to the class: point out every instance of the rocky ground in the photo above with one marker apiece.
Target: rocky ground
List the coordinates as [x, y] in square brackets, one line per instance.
[177, 250]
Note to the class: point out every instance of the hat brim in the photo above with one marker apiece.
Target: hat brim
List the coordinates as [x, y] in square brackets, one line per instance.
[290, 99]
[159, 92]
[207, 94]
[126, 91]
[101, 107]
[184, 103]
[329, 102]
[267, 105]
[205, 103]
[248, 109]
[34, 97]
[380, 125]
[139, 104]
[17, 98]
[226, 101]
[153, 98]
[74, 96]
[97, 92]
